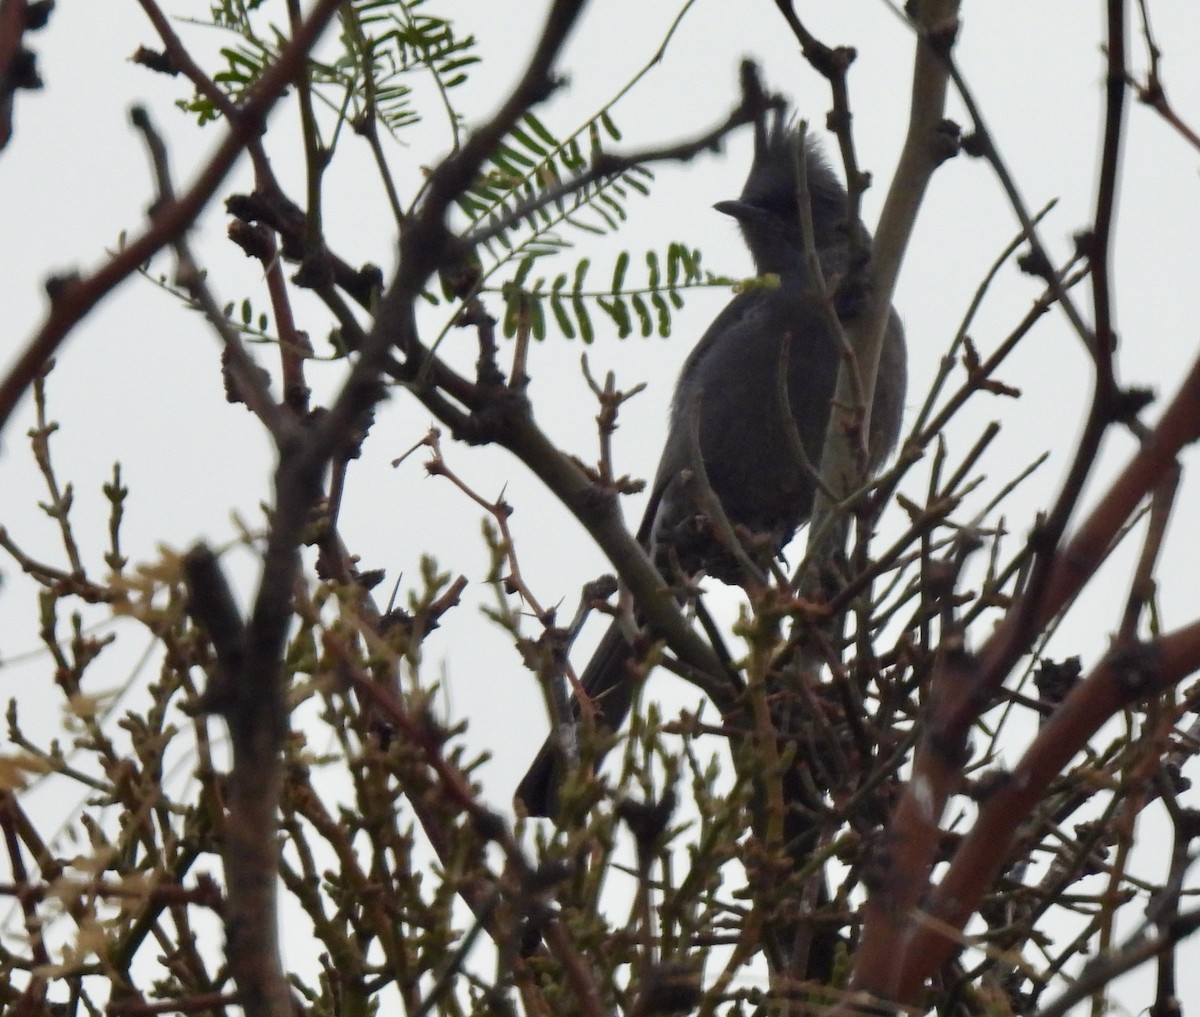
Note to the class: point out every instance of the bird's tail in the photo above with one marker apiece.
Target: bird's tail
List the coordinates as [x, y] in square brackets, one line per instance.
[609, 686]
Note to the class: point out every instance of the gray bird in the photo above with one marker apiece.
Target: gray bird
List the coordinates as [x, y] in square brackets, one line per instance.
[730, 381]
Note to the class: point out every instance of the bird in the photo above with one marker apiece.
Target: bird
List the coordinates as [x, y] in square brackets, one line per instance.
[727, 398]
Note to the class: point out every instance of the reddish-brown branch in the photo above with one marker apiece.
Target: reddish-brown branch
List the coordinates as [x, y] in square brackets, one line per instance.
[243, 373]
[1122, 678]
[1077, 560]
[1101, 244]
[1153, 96]
[967, 683]
[33, 996]
[74, 298]
[199, 1003]
[17, 68]
[964, 684]
[294, 345]
[181, 60]
[938, 23]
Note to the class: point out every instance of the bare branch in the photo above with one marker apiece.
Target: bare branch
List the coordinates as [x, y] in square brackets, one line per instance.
[75, 297]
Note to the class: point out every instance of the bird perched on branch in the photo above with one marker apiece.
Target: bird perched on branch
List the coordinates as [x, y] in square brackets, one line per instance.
[728, 403]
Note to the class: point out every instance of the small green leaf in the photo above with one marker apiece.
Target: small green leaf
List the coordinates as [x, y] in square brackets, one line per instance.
[643, 312]
[609, 220]
[664, 314]
[511, 153]
[511, 308]
[585, 322]
[561, 316]
[528, 142]
[615, 205]
[652, 265]
[619, 312]
[537, 318]
[523, 270]
[610, 126]
[618, 280]
[539, 129]
[585, 227]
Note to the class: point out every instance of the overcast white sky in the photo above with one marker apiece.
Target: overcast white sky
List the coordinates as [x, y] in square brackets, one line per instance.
[139, 382]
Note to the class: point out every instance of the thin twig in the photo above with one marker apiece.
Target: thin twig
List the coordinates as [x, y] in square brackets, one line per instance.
[75, 297]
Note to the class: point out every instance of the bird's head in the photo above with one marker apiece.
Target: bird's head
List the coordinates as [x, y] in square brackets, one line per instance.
[768, 211]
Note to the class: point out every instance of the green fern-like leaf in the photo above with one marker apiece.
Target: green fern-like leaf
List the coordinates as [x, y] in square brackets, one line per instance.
[645, 308]
[398, 39]
[244, 65]
[531, 162]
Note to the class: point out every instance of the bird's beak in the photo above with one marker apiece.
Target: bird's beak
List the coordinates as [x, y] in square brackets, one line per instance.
[739, 210]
